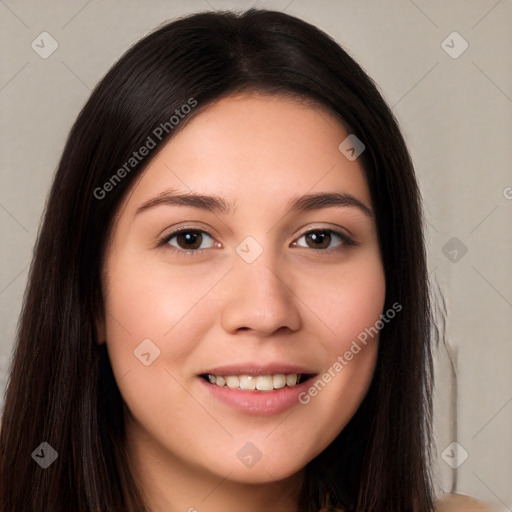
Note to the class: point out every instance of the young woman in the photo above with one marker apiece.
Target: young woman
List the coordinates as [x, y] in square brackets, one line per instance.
[228, 305]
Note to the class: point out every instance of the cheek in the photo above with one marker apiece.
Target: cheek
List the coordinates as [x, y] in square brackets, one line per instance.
[155, 320]
[346, 301]
[153, 302]
[349, 304]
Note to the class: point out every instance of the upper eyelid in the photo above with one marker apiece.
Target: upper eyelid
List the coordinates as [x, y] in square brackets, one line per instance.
[337, 229]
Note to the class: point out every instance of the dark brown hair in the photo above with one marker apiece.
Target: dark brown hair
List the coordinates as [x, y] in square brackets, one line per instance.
[61, 388]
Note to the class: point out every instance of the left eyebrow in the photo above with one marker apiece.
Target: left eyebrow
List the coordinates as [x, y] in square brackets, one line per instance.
[216, 204]
[310, 202]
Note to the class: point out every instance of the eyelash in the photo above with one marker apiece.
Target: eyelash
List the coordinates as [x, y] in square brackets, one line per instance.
[346, 241]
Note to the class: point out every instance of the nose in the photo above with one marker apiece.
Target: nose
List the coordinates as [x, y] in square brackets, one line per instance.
[260, 299]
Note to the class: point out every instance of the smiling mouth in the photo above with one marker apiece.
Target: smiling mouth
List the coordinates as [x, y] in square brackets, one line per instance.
[257, 382]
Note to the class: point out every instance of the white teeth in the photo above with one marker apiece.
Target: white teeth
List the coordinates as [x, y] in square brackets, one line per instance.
[232, 381]
[291, 379]
[251, 382]
[279, 381]
[264, 383]
[247, 382]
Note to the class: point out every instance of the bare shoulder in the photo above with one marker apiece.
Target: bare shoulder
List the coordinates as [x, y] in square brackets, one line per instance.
[459, 502]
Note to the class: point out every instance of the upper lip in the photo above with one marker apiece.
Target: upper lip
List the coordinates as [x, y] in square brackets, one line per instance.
[259, 369]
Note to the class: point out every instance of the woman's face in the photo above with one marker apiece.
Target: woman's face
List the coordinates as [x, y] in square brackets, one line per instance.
[264, 280]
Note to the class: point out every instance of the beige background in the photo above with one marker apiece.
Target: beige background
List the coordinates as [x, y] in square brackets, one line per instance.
[456, 114]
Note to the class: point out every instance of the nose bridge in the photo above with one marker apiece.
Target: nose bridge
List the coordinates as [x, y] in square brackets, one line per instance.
[259, 297]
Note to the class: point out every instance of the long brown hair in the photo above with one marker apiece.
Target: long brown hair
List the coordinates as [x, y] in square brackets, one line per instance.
[61, 388]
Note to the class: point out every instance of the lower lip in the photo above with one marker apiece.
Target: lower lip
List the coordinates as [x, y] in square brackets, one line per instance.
[257, 403]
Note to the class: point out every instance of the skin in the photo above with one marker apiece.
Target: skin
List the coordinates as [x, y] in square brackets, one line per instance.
[294, 303]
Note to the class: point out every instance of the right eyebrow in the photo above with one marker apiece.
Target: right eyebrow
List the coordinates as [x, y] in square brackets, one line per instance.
[169, 197]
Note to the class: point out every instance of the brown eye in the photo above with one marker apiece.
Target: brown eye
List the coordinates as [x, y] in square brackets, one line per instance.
[189, 239]
[318, 239]
[324, 239]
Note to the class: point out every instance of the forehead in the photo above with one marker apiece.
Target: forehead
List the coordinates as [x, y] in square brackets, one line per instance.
[256, 149]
